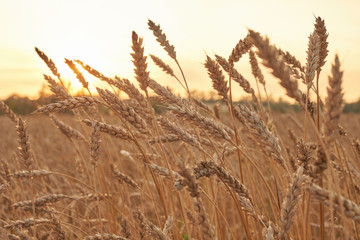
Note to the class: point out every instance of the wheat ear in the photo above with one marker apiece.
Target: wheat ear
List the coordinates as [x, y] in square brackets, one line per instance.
[27, 223]
[235, 75]
[78, 74]
[95, 143]
[105, 236]
[161, 38]
[170, 49]
[334, 103]
[156, 232]
[125, 228]
[23, 139]
[350, 209]
[180, 133]
[193, 188]
[111, 130]
[141, 221]
[57, 89]
[312, 60]
[208, 124]
[291, 60]
[30, 174]
[242, 47]
[257, 126]
[208, 168]
[268, 233]
[122, 177]
[217, 78]
[321, 31]
[41, 201]
[67, 130]
[57, 228]
[255, 69]
[48, 62]
[290, 203]
[165, 67]
[124, 110]
[139, 60]
[68, 104]
[303, 155]
[166, 94]
[269, 55]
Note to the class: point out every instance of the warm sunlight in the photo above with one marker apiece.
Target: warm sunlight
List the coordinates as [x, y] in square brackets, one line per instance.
[180, 120]
[74, 50]
[72, 83]
[99, 34]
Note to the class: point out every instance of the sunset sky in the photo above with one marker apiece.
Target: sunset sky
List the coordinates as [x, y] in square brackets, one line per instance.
[99, 33]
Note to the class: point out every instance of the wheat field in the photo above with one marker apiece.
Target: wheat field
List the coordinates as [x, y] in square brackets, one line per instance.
[118, 168]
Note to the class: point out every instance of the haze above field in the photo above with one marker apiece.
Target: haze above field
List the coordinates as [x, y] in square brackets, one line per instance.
[99, 33]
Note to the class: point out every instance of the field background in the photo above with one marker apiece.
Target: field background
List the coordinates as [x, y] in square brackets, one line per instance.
[157, 165]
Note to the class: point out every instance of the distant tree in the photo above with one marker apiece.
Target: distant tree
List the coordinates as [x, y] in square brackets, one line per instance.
[20, 105]
[352, 107]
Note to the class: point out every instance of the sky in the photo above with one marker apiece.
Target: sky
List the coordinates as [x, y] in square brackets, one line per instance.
[99, 34]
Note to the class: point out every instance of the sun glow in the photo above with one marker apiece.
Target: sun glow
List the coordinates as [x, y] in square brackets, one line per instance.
[76, 52]
[68, 29]
[73, 84]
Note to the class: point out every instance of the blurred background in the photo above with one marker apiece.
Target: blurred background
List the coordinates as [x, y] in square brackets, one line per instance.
[99, 34]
